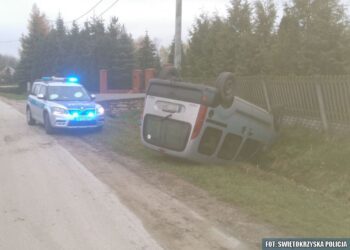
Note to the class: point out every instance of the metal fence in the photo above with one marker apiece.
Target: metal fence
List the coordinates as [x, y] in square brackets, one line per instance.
[324, 98]
[318, 98]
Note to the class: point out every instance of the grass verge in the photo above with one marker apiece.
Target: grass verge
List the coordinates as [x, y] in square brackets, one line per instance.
[13, 96]
[301, 186]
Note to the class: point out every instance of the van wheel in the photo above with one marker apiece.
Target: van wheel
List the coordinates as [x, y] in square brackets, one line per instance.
[47, 124]
[30, 120]
[226, 84]
[169, 73]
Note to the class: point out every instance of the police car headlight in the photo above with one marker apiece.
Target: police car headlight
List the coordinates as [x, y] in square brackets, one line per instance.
[58, 111]
[100, 110]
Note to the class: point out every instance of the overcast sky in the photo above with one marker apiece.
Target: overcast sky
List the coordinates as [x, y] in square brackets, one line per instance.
[155, 16]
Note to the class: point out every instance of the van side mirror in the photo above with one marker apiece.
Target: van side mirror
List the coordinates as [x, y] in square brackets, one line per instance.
[40, 96]
[93, 96]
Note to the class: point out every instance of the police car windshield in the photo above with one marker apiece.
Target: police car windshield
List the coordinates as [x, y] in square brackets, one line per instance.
[67, 93]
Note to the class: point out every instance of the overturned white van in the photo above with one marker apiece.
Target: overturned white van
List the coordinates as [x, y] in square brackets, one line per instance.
[205, 124]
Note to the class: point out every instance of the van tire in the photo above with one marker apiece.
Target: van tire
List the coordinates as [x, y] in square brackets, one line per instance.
[169, 73]
[226, 85]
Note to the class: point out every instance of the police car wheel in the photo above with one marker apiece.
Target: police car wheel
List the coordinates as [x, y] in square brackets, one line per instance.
[30, 119]
[47, 124]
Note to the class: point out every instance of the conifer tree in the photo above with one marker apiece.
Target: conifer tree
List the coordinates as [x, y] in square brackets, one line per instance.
[263, 37]
[147, 55]
[31, 65]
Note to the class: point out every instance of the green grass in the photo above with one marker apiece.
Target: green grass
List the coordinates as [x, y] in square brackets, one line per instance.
[13, 96]
[301, 186]
[317, 161]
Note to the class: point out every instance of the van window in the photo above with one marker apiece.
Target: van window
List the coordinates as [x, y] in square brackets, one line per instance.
[166, 133]
[249, 148]
[230, 146]
[176, 93]
[209, 141]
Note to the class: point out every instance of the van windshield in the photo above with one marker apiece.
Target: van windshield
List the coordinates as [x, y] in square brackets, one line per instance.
[175, 93]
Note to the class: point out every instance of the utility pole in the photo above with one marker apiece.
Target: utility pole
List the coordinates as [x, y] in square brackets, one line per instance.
[178, 45]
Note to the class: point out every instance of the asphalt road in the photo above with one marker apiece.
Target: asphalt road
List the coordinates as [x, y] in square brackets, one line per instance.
[48, 200]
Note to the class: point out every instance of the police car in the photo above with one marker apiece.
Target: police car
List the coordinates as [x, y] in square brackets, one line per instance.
[63, 103]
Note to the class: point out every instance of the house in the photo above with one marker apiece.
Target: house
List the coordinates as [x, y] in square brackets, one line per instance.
[6, 75]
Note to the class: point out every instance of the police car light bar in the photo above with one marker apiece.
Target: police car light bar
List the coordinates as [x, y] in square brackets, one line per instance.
[60, 79]
[47, 78]
[72, 79]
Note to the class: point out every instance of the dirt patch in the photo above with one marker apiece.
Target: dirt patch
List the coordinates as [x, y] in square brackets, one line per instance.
[180, 215]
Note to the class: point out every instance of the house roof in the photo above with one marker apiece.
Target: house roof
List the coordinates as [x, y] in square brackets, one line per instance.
[7, 68]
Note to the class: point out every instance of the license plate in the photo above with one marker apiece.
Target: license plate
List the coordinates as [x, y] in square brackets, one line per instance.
[83, 119]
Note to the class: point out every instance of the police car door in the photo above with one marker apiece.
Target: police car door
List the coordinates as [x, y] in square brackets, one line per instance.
[39, 103]
[33, 100]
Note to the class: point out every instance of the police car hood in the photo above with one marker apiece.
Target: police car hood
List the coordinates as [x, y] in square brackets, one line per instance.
[78, 104]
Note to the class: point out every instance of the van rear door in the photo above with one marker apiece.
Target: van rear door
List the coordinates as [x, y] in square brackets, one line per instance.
[170, 115]
[166, 133]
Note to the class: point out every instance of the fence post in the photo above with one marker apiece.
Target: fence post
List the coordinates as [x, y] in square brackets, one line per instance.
[103, 81]
[266, 95]
[321, 106]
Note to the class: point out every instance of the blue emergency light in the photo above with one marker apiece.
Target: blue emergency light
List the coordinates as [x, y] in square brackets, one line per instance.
[72, 79]
[46, 78]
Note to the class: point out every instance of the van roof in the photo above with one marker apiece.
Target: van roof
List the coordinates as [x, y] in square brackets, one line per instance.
[188, 85]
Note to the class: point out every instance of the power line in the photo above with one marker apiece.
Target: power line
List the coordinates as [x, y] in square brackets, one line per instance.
[81, 16]
[91, 9]
[110, 7]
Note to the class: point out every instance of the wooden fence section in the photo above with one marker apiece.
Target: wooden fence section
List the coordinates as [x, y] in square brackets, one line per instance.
[323, 98]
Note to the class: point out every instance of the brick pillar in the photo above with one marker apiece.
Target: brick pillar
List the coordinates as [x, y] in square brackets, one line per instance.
[103, 81]
[137, 76]
[149, 74]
